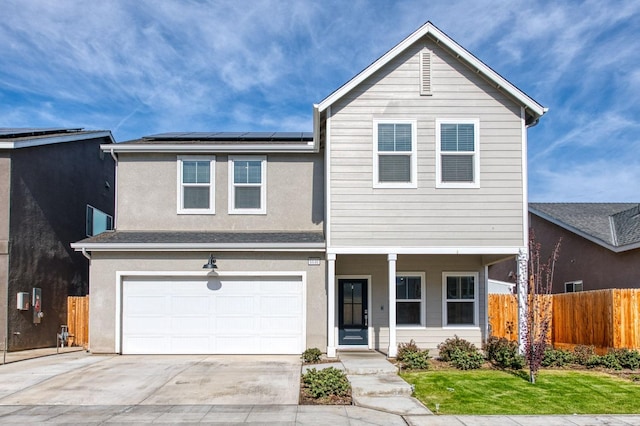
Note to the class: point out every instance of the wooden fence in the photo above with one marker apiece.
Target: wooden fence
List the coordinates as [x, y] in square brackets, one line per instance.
[78, 320]
[602, 318]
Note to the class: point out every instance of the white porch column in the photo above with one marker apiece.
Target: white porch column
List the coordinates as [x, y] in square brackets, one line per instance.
[523, 281]
[393, 346]
[331, 305]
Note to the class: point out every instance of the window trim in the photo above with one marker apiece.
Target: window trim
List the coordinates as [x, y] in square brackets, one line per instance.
[476, 297]
[573, 283]
[476, 153]
[413, 161]
[423, 300]
[212, 178]
[263, 184]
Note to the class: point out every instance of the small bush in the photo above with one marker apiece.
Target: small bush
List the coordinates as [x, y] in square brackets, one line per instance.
[406, 348]
[557, 358]
[582, 354]
[627, 358]
[504, 353]
[447, 347]
[607, 361]
[411, 357]
[324, 383]
[464, 360]
[311, 356]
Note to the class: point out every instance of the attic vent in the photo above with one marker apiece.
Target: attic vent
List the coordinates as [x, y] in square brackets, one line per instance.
[425, 72]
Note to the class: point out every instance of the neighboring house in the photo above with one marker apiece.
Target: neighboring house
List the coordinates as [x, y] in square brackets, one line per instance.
[600, 245]
[501, 287]
[376, 229]
[56, 186]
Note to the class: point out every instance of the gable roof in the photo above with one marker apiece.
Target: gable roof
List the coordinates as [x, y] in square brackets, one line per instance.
[212, 142]
[534, 109]
[615, 226]
[15, 138]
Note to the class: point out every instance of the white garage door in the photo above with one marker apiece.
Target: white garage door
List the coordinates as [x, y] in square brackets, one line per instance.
[249, 315]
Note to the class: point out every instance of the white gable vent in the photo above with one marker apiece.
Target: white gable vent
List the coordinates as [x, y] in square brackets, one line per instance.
[425, 72]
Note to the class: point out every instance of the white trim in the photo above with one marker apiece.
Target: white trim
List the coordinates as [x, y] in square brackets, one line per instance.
[423, 300]
[476, 290]
[423, 250]
[212, 185]
[457, 51]
[327, 173]
[413, 163]
[263, 184]
[336, 313]
[31, 141]
[251, 247]
[121, 275]
[198, 148]
[525, 179]
[392, 261]
[331, 306]
[475, 153]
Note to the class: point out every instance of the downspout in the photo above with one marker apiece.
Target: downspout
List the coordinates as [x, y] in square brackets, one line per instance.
[115, 191]
[85, 254]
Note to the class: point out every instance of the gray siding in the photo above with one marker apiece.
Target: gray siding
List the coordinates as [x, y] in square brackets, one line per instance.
[147, 196]
[426, 216]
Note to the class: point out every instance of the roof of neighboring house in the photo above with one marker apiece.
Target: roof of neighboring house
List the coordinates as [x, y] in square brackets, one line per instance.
[615, 226]
[198, 241]
[211, 142]
[14, 138]
[533, 109]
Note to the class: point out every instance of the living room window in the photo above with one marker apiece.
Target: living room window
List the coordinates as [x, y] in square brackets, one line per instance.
[247, 178]
[573, 286]
[460, 299]
[410, 303]
[395, 158]
[457, 154]
[196, 185]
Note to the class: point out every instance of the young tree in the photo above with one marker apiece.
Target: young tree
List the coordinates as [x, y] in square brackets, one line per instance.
[539, 312]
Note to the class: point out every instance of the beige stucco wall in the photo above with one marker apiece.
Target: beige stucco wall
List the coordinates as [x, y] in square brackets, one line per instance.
[432, 266]
[104, 265]
[147, 195]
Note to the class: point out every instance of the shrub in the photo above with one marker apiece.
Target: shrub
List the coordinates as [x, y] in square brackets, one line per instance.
[327, 382]
[406, 348]
[411, 357]
[582, 354]
[464, 360]
[311, 355]
[447, 347]
[627, 358]
[556, 358]
[503, 353]
[607, 361]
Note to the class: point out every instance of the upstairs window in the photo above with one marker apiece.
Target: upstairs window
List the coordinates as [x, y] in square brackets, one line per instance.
[196, 185]
[97, 221]
[395, 154]
[457, 154]
[247, 192]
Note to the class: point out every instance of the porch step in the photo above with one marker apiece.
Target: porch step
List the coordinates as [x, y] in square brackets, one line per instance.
[368, 385]
[368, 362]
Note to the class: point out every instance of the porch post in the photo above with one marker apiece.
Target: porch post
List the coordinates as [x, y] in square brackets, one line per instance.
[393, 347]
[523, 280]
[331, 305]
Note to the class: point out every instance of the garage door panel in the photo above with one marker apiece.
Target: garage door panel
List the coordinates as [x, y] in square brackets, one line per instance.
[198, 316]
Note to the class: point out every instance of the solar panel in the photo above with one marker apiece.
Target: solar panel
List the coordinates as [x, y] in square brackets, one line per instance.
[8, 132]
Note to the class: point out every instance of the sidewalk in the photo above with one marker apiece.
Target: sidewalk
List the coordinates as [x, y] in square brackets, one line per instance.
[8, 357]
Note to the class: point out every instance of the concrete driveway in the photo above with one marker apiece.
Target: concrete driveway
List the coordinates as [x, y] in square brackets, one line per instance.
[79, 378]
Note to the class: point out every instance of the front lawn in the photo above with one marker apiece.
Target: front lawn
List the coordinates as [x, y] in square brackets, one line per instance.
[501, 392]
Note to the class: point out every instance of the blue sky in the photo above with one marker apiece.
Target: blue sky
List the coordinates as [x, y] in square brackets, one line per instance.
[144, 67]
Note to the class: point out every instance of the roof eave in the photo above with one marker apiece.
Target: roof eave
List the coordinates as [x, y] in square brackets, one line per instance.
[73, 137]
[191, 247]
[533, 107]
[309, 147]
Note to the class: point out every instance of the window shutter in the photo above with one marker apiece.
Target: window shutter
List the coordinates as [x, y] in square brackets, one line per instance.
[425, 72]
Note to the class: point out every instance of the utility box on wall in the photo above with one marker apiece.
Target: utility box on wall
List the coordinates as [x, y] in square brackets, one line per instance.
[23, 301]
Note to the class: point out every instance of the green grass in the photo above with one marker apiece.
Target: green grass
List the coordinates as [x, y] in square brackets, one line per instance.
[500, 392]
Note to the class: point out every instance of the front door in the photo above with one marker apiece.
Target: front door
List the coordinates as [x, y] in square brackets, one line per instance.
[352, 311]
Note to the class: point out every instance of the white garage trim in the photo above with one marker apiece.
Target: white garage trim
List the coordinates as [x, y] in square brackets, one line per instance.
[122, 275]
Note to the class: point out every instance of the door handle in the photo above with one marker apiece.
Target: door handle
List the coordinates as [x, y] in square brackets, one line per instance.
[366, 318]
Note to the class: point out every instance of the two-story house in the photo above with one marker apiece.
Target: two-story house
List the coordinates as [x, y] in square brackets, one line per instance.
[376, 229]
[56, 186]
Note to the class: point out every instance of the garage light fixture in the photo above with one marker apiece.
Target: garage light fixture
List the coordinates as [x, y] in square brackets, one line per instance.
[211, 264]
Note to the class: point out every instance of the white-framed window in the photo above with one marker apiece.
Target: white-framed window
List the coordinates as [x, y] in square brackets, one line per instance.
[196, 186]
[460, 301]
[573, 286]
[457, 153]
[97, 221]
[394, 154]
[247, 185]
[410, 299]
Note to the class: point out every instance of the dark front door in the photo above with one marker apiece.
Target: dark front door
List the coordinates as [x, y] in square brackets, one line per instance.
[352, 312]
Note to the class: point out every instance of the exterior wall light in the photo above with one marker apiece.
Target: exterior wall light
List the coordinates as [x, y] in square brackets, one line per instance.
[211, 263]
